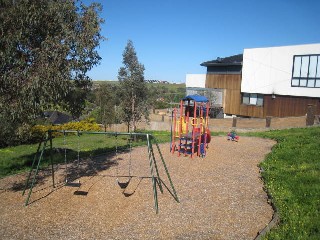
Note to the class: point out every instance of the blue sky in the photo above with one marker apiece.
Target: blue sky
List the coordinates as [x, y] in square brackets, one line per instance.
[172, 37]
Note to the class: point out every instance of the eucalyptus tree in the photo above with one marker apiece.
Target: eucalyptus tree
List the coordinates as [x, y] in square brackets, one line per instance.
[106, 102]
[134, 91]
[46, 49]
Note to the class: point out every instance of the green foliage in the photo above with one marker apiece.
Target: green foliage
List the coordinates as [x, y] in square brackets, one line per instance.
[292, 176]
[133, 89]
[46, 49]
[164, 95]
[106, 99]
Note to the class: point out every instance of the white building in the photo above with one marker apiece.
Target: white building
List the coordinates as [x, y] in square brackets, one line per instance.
[272, 81]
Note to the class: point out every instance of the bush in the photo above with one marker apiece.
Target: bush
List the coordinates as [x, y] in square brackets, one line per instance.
[38, 131]
[84, 125]
[7, 133]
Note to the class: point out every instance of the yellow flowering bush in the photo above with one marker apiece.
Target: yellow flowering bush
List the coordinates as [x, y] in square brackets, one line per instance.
[39, 131]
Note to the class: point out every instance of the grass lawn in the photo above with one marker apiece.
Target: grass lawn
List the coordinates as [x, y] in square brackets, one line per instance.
[292, 177]
[291, 172]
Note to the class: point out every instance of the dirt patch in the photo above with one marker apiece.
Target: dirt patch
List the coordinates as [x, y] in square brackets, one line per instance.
[221, 197]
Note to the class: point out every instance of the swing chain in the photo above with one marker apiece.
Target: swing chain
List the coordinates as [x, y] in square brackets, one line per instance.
[130, 151]
[78, 145]
[65, 155]
[78, 162]
[117, 169]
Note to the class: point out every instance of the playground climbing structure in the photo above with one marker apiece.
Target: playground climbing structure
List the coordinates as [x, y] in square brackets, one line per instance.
[190, 126]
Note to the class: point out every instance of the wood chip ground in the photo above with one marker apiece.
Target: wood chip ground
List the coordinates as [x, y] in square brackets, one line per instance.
[221, 197]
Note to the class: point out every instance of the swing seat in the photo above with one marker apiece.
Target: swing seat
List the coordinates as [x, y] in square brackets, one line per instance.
[123, 185]
[73, 184]
[128, 194]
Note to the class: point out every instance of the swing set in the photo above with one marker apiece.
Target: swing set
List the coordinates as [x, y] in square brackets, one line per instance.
[47, 145]
[190, 132]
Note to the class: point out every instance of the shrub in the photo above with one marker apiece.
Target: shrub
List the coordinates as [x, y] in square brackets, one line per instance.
[38, 131]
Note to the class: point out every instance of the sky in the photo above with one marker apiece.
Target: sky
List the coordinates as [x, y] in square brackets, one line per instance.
[173, 37]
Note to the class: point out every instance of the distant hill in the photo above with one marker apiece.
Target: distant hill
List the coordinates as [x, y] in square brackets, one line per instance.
[172, 86]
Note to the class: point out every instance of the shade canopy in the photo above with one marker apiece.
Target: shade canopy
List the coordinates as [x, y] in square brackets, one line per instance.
[196, 98]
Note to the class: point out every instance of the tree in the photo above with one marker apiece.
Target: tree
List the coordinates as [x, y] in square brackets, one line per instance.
[46, 49]
[134, 92]
[106, 102]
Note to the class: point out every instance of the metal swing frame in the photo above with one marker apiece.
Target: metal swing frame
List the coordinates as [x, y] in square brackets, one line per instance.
[154, 171]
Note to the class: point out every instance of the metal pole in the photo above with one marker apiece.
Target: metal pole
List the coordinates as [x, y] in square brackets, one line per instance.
[193, 127]
[33, 162]
[174, 122]
[36, 173]
[167, 172]
[106, 133]
[156, 167]
[171, 143]
[155, 196]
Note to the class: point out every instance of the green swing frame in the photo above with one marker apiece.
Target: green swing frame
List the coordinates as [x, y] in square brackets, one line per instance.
[154, 171]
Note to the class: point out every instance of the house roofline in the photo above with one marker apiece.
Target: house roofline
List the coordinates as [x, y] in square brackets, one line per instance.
[209, 64]
[234, 60]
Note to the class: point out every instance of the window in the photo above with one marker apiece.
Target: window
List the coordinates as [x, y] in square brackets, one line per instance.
[306, 71]
[252, 99]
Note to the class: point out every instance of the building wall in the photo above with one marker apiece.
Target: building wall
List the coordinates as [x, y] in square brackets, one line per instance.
[269, 70]
[214, 95]
[230, 83]
[225, 81]
[281, 106]
[266, 71]
[196, 80]
[284, 106]
[251, 111]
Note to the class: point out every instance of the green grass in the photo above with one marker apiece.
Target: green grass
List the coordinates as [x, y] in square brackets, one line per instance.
[18, 159]
[292, 177]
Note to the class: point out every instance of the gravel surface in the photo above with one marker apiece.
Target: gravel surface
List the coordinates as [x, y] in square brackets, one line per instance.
[221, 197]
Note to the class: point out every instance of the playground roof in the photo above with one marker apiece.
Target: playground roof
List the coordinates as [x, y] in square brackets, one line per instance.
[196, 98]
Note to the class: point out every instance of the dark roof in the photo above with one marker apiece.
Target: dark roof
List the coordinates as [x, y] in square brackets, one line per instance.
[232, 60]
[56, 117]
[196, 98]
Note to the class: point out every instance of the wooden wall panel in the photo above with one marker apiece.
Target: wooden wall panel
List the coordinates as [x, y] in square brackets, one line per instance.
[281, 106]
[251, 111]
[232, 101]
[224, 81]
[231, 83]
[284, 106]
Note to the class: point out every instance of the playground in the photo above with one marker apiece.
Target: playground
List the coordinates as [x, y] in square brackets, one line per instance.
[221, 197]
